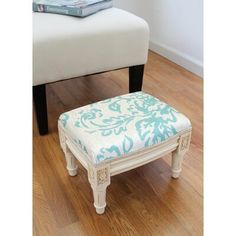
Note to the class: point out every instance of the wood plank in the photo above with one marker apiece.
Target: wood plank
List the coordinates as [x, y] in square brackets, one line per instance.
[62, 209]
[150, 219]
[43, 220]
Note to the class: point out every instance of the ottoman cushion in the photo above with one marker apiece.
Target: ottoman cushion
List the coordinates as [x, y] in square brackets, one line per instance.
[118, 126]
[65, 46]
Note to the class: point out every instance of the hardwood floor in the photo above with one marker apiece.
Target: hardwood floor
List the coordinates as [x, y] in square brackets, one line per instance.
[144, 201]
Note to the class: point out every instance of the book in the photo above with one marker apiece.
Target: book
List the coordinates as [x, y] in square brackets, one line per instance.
[79, 8]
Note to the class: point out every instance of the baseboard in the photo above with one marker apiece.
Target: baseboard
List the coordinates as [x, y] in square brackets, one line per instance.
[177, 57]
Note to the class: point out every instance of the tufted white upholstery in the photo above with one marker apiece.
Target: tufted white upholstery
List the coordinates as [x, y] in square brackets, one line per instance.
[65, 47]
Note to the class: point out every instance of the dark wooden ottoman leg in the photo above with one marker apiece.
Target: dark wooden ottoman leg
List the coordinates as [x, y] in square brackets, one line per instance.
[136, 78]
[40, 102]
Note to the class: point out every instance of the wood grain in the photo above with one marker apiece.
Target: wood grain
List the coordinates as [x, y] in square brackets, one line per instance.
[144, 201]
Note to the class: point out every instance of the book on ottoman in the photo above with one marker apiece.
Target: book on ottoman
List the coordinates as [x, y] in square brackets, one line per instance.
[80, 8]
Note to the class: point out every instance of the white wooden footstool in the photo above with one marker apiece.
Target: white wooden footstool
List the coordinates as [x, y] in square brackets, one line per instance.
[119, 134]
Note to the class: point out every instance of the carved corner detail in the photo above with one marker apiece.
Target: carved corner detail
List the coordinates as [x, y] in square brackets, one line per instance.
[185, 141]
[102, 176]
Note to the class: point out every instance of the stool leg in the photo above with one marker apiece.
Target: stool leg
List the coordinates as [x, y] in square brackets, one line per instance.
[177, 155]
[99, 200]
[71, 162]
[70, 158]
[176, 164]
[99, 179]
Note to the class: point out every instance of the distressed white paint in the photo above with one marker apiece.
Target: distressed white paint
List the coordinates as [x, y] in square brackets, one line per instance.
[100, 175]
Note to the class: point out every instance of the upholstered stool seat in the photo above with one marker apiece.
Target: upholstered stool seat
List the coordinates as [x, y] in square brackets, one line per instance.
[119, 134]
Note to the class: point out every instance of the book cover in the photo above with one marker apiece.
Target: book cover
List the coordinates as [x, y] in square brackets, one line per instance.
[80, 8]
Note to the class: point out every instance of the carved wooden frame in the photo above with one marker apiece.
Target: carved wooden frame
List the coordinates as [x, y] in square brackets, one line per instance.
[99, 175]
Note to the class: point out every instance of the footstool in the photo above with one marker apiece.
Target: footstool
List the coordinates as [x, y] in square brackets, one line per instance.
[119, 134]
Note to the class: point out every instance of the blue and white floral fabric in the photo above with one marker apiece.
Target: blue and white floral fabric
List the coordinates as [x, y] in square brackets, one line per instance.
[121, 125]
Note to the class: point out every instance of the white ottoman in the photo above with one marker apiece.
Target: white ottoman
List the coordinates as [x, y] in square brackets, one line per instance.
[119, 134]
[66, 47]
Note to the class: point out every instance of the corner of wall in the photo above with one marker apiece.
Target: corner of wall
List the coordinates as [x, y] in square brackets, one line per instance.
[184, 60]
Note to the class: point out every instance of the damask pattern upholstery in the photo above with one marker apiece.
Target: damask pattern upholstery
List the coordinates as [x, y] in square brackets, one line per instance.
[115, 127]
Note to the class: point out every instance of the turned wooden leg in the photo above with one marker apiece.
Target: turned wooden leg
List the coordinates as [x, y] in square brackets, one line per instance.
[176, 164]
[71, 162]
[177, 155]
[99, 200]
[99, 179]
[40, 103]
[136, 78]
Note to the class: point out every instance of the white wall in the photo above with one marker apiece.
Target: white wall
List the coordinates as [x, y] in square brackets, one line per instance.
[176, 28]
